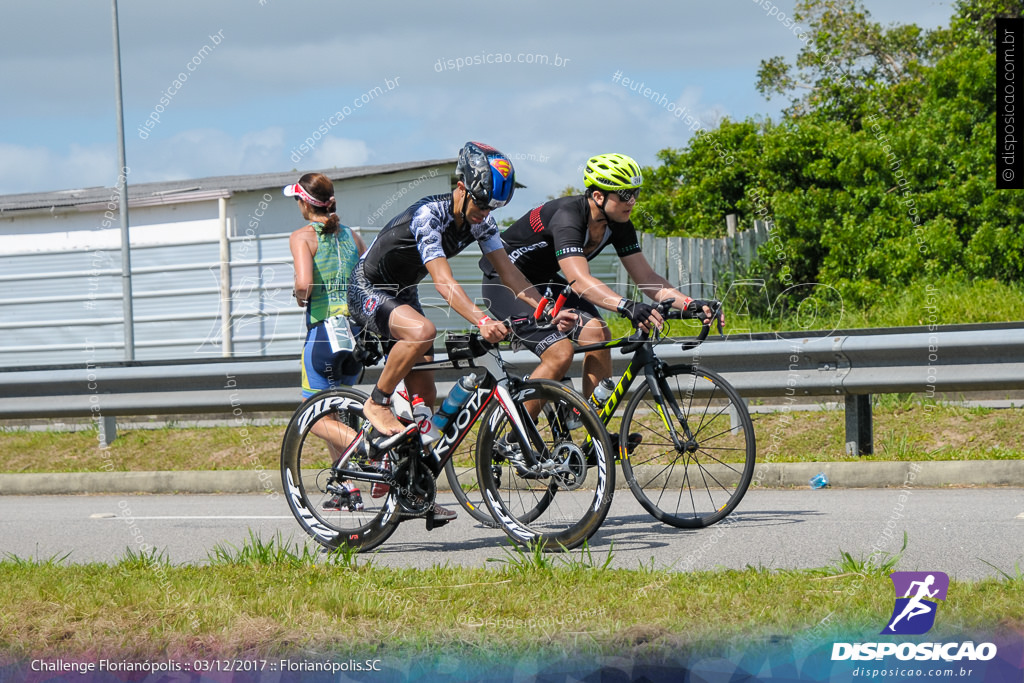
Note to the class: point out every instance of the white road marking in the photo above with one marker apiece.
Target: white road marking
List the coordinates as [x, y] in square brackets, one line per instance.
[108, 515]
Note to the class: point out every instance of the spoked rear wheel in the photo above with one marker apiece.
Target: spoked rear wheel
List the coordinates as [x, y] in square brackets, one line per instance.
[698, 481]
[559, 503]
[334, 509]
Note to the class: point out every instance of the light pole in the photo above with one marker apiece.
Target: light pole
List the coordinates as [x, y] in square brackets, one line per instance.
[122, 188]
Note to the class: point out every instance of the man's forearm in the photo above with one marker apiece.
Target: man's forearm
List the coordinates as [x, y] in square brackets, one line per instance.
[598, 293]
[459, 301]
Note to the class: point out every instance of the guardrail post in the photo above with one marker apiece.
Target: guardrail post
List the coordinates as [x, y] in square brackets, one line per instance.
[859, 431]
[108, 430]
[734, 417]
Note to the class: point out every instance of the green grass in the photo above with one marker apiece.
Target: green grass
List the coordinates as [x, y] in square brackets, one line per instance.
[223, 448]
[909, 429]
[535, 558]
[881, 564]
[266, 599]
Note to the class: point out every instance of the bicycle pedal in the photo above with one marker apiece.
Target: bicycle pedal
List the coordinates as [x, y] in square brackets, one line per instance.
[632, 442]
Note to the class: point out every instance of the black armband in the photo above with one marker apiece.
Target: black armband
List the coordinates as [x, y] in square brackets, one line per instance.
[379, 397]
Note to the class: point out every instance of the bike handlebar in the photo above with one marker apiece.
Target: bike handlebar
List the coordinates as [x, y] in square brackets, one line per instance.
[513, 324]
[664, 307]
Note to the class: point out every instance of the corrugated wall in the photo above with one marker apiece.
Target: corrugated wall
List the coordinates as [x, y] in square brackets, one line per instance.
[65, 307]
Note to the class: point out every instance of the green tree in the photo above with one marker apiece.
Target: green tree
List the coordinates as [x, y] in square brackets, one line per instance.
[974, 23]
[873, 179]
[845, 57]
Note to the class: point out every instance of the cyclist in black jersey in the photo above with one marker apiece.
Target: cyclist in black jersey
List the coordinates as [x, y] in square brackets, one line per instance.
[383, 295]
[563, 235]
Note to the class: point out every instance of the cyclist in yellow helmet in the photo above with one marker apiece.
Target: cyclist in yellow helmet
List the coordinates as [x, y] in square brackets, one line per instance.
[552, 246]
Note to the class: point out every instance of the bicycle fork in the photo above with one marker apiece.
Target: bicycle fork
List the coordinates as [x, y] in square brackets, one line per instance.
[662, 395]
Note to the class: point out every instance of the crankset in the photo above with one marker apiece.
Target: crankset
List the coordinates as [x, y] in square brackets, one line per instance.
[570, 466]
[416, 490]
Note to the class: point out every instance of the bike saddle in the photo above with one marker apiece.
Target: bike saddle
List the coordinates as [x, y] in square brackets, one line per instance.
[383, 442]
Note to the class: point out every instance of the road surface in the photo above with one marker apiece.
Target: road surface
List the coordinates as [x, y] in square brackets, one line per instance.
[958, 531]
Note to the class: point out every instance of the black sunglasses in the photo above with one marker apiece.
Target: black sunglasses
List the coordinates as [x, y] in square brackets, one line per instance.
[480, 203]
[626, 195]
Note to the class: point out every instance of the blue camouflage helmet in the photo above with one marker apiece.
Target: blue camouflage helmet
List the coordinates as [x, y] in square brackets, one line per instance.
[487, 174]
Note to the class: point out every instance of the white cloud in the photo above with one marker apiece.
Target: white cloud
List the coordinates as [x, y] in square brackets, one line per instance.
[333, 152]
[205, 152]
[267, 85]
[39, 169]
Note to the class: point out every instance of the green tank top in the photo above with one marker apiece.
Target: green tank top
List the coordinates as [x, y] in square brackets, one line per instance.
[336, 256]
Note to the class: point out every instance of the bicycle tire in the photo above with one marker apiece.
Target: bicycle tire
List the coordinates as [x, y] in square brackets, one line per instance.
[306, 471]
[466, 487]
[547, 512]
[717, 468]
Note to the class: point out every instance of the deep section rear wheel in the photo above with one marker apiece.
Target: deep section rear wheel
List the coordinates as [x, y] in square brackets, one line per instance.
[690, 482]
[465, 487]
[561, 502]
[321, 497]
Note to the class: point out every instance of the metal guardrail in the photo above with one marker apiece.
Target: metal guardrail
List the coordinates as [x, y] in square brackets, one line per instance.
[849, 363]
[856, 362]
[930, 361]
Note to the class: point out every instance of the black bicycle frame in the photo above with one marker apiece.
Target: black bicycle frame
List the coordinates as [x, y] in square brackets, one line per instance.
[460, 424]
[643, 360]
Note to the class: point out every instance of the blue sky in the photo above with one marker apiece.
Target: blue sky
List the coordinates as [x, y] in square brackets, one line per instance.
[281, 70]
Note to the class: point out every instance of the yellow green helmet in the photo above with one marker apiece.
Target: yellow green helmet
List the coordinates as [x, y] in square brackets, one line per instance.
[612, 172]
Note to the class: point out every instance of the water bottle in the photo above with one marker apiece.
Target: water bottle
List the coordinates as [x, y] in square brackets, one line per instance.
[819, 481]
[456, 397]
[573, 420]
[602, 392]
[401, 406]
[421, 413]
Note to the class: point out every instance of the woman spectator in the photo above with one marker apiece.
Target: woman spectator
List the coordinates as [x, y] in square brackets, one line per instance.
[324, 253]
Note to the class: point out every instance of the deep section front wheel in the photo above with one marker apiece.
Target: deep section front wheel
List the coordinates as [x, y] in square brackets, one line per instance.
[562, 500]
[697, 454]
[329, 502]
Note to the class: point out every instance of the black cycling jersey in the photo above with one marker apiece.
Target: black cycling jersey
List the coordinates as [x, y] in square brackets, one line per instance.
[423, 232]
[538, 240]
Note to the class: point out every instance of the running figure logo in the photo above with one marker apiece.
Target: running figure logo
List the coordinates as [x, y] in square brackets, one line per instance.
[916, 595]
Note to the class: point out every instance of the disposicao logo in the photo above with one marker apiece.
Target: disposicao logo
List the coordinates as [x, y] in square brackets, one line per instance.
[913, 613]
[916, 596]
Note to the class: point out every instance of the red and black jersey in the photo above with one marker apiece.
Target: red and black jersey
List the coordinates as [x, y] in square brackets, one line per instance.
[538, 240]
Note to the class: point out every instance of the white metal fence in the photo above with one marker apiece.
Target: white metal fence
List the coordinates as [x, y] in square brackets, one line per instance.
[232, 298]
[62, 307]
[699, 264]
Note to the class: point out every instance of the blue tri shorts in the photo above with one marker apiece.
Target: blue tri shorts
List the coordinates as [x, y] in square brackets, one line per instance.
[322, 369]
